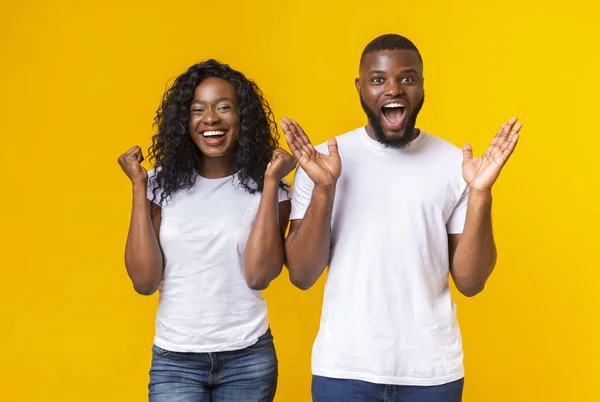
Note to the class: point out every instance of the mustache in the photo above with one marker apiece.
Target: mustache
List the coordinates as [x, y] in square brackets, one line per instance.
[376, 126]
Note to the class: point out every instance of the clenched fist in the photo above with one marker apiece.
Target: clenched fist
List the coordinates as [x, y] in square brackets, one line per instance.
[282, 163]
[130, 163]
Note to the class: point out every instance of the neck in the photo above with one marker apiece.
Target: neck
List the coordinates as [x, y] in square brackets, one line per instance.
[216, 168]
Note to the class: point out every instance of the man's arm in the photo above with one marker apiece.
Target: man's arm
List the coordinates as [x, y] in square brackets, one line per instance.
[308, 243]
[473, 253]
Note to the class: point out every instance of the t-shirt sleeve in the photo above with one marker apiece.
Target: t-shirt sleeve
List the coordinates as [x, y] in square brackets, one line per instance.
[283, 195]
[301, 194]
[456, 222]
[152, 184]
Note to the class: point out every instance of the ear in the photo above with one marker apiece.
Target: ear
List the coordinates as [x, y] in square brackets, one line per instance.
[357, 84]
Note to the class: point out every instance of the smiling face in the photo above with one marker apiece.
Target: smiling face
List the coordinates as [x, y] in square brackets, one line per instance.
[390, 87]
[214, 120]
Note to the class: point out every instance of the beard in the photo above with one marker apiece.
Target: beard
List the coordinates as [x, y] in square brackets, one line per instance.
[393, 142]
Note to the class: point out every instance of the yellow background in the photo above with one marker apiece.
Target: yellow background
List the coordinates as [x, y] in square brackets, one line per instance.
[80, 85]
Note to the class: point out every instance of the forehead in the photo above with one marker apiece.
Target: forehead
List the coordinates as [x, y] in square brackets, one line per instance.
[213, 87]
[391, 61]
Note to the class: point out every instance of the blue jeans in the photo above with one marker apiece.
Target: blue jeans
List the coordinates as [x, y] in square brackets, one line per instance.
[248, 374]
[326, 389]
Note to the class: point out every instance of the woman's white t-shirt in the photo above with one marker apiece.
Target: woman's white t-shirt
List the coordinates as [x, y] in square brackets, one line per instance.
[205, 304]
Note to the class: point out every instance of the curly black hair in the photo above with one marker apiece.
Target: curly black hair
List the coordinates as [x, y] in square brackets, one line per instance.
[174, 154]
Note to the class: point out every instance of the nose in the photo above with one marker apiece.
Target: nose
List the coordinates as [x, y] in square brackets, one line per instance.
[393, 88]
[210, 117]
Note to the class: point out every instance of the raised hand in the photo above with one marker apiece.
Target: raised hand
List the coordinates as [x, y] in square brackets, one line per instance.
[282, 163]
[481, 173]
[322, 169]
[130, 163]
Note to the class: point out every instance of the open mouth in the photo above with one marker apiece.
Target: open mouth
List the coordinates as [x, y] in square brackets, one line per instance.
[393, 114]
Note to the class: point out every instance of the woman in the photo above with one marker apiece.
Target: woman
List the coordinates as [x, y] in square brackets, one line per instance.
[207, 227]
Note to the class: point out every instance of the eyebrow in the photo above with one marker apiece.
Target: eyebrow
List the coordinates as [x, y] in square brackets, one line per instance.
[407, 71]
[216, 100]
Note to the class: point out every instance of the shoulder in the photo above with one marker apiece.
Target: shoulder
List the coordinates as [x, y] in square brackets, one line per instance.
[239, 190]
[152, 173]
[343, 140]
[443, 149]
[445, 159]
[152, 182]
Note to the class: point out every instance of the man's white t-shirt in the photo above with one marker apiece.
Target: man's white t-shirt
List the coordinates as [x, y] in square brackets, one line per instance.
[205, 304]
[388, 316]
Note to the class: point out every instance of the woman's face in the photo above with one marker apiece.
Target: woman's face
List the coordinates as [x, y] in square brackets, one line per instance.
[214, 120]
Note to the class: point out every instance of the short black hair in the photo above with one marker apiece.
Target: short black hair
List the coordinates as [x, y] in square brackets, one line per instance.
[390, 42]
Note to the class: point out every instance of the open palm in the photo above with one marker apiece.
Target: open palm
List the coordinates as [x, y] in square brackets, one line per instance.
[321, 168]
[482, 172]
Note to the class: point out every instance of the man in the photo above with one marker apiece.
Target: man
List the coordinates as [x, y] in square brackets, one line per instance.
[391, 210]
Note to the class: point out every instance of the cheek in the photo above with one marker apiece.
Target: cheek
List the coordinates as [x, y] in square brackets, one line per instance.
[234, 122]
[193, 123]
[416, 93]
[371, 96]
[370, 92]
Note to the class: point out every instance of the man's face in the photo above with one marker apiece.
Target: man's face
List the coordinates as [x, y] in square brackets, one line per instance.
[390, 87]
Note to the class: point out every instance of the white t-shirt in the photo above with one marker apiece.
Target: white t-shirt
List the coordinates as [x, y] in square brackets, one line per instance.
[205, 304]
[388, 316]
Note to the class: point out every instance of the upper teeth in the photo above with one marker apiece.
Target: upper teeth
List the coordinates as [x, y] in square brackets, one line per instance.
[391, 105]
[211, 133]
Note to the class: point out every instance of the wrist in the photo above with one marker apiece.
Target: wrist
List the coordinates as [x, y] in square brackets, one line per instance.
[480, 195]
[139, 184]
[271, 181]
[327, 188]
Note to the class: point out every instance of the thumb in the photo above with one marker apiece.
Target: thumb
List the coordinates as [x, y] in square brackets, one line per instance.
[333, 147]
[274, 157]
[467, 152]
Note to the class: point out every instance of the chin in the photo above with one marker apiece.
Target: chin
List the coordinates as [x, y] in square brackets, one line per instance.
[394, 136]
[215, 154]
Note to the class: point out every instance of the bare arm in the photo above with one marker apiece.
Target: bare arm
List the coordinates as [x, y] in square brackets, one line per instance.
[143, 256]
[264, 253]
[308, 244]
[473, 253]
